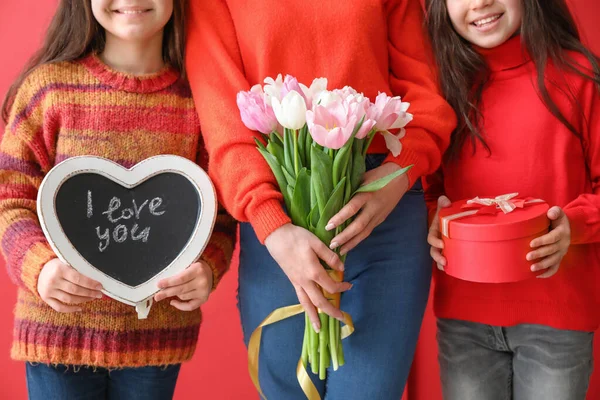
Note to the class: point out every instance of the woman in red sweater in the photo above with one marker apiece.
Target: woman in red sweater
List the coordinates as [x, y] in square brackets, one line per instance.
[373, 46]
[527, 94]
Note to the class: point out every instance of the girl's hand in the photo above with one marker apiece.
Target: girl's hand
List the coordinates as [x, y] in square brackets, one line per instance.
[63, 288]
[435, 237]
[191, 287]
[552, 247]
[374, 208]
[297, 251]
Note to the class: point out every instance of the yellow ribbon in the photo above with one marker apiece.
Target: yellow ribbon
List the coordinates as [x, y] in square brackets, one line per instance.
[308, 387]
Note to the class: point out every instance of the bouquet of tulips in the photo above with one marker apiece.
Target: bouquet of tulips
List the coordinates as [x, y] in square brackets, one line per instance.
[315, 142]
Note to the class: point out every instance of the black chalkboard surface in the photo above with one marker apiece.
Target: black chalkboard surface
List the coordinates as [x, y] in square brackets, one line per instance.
[128, 228]
[129, 234]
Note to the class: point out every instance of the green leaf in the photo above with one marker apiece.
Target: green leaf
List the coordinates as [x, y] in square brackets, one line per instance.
[301, 199]
[308, 146]
[276, 138]
[302, 145]
[290, 193]
[333, 206]
[288, 148]
[369, 140]
[358, 164]
[313, 218]
[323, 164]
[348, 188]
[340, 163]
[289, 177]
[259, 144]
[382, 182]
[313, 192]
[342, 157]
[279, 176]
[296, 152]
[318, 189]
[277, 150]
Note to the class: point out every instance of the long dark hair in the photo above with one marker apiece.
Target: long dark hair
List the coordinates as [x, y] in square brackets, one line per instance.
[74, 33]
[548, 31]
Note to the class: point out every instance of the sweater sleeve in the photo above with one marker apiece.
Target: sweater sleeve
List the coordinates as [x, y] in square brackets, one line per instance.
[433, 185]
[412, 77]
[584, 211]
[23, 162]
[219, 250]
[243, 179]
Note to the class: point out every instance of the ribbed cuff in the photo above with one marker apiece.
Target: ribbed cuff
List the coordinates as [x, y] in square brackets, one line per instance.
[33, 261]
[266, 218]
[405, 158]
[578, 224]
[213, 261]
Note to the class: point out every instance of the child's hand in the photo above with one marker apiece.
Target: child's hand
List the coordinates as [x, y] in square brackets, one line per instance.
[552, 247]
[191, 287]
[63, 288]
[435, 238]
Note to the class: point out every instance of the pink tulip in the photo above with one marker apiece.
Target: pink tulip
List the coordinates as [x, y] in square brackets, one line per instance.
[273, 88]
[358, 105]
[392, 142]
[389, 112]
[290, 83]
[312, 93]
[347, 91]
[279, 87]
[330, 126]
[256, 114]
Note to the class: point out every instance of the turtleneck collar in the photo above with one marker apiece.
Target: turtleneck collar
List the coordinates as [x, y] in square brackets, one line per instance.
[510, 54]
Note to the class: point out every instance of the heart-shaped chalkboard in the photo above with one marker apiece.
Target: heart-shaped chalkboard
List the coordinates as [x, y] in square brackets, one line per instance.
[127, 228]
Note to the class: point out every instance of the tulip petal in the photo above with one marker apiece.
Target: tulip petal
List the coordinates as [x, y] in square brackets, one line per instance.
[392, 143]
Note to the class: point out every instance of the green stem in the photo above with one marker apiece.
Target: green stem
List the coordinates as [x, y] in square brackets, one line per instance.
[371, 137]
[333, 342]
[314, 350]
[296, 152]
[305, 341]
[341, 359]
[323, 341]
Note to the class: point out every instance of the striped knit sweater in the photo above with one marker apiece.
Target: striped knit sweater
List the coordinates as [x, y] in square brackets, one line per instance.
[85, 108]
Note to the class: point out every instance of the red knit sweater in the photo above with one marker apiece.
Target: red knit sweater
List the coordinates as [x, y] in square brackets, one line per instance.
[373, 46]
[534, 154]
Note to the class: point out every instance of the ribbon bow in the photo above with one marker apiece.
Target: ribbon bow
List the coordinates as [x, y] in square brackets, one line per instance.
[506, 202]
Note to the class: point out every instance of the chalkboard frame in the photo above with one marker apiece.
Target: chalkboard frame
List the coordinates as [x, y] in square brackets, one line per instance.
[127, 178]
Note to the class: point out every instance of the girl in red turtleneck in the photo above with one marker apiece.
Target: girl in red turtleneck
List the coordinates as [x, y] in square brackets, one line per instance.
[527, 95]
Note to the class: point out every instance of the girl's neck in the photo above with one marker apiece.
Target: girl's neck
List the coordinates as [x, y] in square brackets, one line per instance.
[134, 57]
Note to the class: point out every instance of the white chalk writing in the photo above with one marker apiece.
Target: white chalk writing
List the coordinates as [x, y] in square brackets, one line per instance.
[118, 216]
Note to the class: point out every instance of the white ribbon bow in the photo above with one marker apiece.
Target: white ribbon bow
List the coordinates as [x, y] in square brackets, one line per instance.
[503, 202]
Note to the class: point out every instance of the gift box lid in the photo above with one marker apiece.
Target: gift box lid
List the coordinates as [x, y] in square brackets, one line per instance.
[481, 227]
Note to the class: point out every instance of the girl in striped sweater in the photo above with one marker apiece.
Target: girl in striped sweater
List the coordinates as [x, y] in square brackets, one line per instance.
[108, 82]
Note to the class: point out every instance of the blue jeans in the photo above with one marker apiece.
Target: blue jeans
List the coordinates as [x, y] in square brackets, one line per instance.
[390, 271]
[522, 362]
[74, 383]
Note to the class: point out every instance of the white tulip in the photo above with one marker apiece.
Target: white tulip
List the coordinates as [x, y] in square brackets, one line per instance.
[291, 111]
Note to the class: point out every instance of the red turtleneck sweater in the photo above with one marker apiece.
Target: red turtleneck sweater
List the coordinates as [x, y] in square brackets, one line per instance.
[533, 154]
